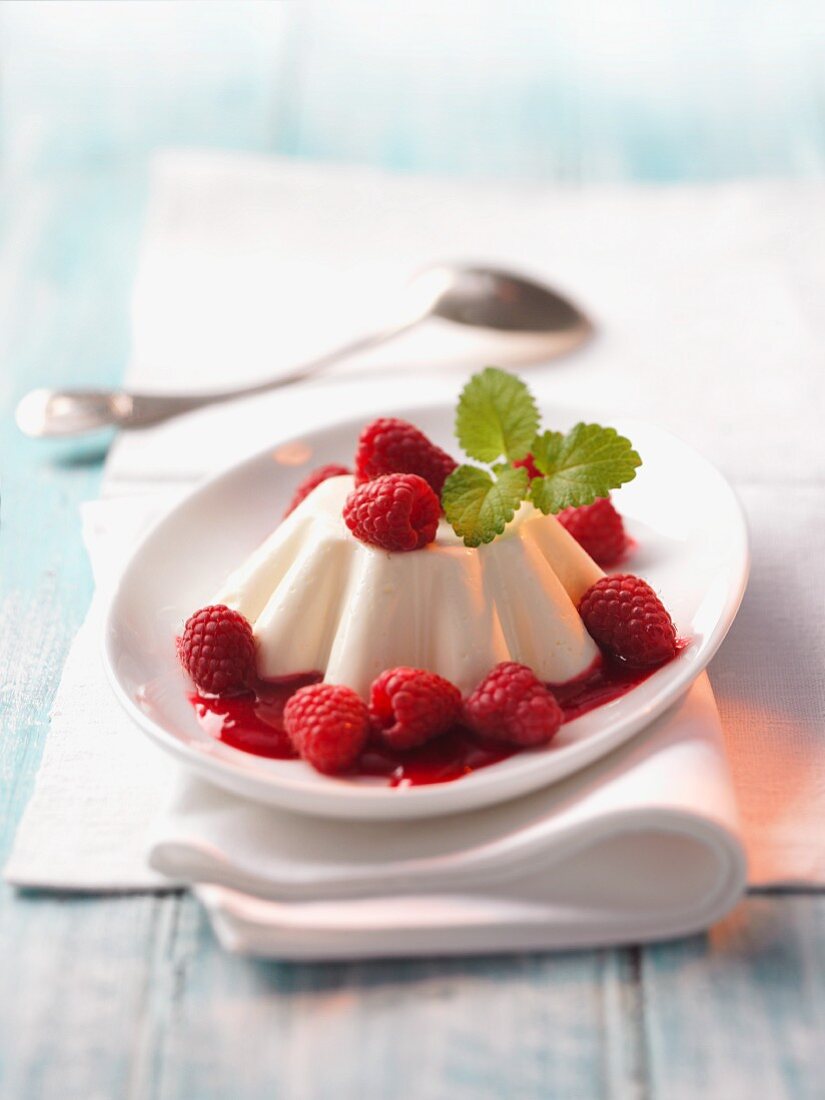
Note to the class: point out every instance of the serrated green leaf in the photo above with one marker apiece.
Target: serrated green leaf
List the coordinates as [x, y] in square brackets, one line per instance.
[496, 416]
[477, 506]
[580, 466]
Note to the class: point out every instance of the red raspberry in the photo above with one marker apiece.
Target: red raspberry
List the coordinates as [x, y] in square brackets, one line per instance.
[598, 528]
[529, 465]
[394, 512]
[410, 706]
[390, 446]
[327, 725]
[511, 704]
[217, 649]
[625, 616]
[312, 481]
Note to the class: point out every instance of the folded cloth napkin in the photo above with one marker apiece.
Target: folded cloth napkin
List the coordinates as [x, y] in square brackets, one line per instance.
[641, 845]
[696, 291]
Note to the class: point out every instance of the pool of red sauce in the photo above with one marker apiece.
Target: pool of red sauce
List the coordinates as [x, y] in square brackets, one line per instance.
[253, 722]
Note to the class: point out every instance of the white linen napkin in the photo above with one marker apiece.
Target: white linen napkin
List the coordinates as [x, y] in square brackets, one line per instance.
[707, 305]
[100, 783]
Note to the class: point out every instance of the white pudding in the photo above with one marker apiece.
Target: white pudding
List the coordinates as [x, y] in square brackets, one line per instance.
[320, 600]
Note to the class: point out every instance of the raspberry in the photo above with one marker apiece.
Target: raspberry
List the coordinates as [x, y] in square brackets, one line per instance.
[529, 465]
[394, 512]
[410, 706]
[312, 481]
[511, 704]
[390, 446]
[625, 616]
[327, 725]
[217, 649]
[598, 528]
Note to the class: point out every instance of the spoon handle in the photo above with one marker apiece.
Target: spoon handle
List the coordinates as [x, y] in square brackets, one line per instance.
[62, 413]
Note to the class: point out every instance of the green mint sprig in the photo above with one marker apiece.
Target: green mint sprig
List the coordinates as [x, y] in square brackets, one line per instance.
[579, 466]
[497, 419]
[479, 506]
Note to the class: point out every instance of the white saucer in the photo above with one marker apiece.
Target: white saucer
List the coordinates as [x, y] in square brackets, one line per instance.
[692, 547]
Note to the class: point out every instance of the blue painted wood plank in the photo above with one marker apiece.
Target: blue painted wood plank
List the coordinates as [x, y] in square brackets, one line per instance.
[561, 91]
[66, 265]
[554, 91]
[741, 1013]
[91, 86]
[529, 1026]
[78, 979]
[130, 996]
[67, 969]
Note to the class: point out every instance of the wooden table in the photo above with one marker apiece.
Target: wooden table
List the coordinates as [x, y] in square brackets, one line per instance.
[130, 996]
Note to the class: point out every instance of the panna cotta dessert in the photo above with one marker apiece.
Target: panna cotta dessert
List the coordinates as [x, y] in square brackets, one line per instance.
[319, 599]
[413, 618]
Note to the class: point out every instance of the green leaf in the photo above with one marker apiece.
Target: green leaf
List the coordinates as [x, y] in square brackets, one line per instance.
[496, 416]
[580, 466]
[477, 506]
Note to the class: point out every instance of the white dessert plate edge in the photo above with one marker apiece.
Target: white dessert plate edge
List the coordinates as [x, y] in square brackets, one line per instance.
[692, 546]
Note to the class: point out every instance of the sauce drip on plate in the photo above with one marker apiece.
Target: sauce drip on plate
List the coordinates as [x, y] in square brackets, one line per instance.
[253, 722]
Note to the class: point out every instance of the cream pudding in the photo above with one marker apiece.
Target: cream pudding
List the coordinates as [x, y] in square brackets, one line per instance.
[320, 600]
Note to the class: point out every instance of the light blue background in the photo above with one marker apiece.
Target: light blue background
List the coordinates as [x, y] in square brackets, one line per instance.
[129, 996]
[540, 89]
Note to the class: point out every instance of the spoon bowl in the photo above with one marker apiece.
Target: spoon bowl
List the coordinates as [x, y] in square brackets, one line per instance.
[491, 298]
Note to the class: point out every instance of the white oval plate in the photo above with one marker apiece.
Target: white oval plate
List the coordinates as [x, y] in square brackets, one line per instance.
[691, 546]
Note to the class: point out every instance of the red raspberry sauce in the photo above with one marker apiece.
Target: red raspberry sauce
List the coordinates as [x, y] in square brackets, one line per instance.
[253, 722]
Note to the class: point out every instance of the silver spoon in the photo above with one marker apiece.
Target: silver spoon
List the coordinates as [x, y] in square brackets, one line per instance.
[467, 295]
